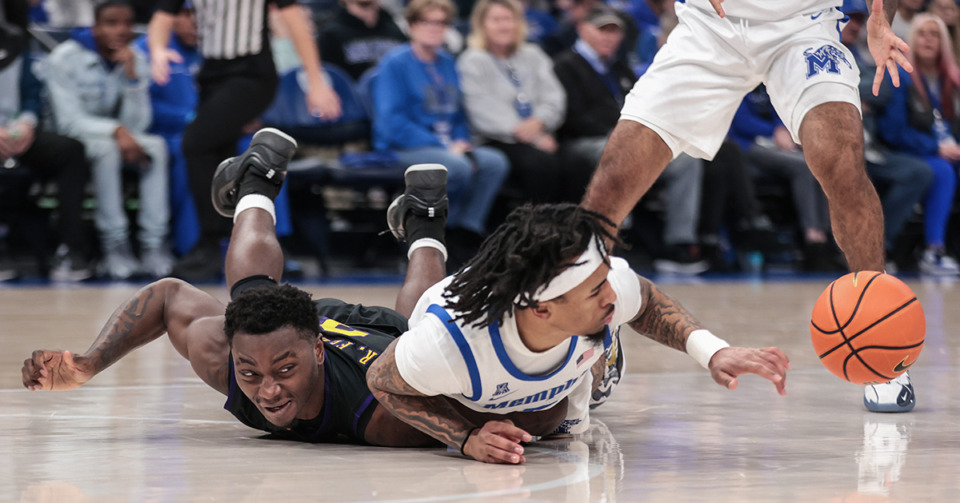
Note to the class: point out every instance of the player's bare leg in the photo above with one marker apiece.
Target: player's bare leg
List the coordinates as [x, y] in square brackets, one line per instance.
[832, 136]
[244, 187]
[833, 139]
[634, 157]
[419, 218]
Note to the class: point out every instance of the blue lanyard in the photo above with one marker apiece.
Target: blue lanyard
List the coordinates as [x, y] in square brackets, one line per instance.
[521, 101]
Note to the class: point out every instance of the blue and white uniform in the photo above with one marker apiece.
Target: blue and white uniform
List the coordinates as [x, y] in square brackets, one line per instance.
[489, 369]
[708, 64]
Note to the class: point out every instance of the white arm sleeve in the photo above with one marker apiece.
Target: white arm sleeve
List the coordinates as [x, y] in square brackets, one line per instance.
[430, 361]
[626, 285]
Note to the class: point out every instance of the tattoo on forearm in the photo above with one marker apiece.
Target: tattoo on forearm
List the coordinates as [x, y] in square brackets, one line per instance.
[122, 334]
[432, 415]
[664, 319]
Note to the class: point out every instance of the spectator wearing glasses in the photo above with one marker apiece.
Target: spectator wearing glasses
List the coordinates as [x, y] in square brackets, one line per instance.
[597, 81]
[513, 99]
[419, 114]
[359, 35]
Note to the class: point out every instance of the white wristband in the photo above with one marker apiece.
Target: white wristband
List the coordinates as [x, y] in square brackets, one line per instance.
[702, 345]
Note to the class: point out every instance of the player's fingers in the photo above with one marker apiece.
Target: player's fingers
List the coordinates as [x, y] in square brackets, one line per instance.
[902, 61]
[893, 71]
[500, 450]
[780, 355]
[781, 386]
[877, 79]
[28, 373]
[40, 359]
[506, 429]
[761, 367]
[731, 382]
[779, 361]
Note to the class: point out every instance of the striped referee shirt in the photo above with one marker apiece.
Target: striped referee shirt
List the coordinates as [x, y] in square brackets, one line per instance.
[229, 29]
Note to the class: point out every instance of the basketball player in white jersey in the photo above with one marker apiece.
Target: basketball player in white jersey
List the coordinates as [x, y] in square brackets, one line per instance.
[721, 50]
[502, 351]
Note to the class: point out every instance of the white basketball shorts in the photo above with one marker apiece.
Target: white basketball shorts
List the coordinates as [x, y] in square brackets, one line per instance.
[699, 77]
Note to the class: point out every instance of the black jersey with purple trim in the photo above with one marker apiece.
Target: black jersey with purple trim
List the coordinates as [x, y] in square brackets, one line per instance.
[353, 337]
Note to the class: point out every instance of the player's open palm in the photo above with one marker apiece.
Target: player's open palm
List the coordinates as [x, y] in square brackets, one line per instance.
[55, 370]
[887, 49]
[769, 363]
[497, 442]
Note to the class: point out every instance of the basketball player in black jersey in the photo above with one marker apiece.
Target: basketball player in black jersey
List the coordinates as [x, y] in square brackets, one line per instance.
[288, 365]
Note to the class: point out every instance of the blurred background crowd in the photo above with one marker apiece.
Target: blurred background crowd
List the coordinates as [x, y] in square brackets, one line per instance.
[114, 114]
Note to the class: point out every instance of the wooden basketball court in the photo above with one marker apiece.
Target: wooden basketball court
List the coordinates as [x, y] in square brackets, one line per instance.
[147, 429]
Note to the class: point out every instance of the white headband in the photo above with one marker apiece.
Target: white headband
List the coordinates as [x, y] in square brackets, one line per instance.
[576, 273]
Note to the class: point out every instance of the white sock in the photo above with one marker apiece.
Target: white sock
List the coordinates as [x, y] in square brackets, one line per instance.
[428, 243]
[255, 201]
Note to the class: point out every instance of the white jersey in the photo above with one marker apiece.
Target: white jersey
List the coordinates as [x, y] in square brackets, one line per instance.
[489, 369]
[767, 10]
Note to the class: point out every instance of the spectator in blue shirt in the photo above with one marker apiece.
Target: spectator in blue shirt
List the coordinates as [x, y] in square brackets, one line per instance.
[902, 178]
[923, 118]
[174, 105]
[419, 114]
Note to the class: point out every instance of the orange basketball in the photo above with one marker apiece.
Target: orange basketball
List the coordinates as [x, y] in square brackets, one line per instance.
[867, 327]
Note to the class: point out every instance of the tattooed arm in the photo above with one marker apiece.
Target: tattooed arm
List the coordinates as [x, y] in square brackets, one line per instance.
[188, 315]
[666, 321]
[494, 442]
[662, 318]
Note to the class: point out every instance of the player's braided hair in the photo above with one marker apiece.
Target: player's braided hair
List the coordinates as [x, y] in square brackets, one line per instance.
[264, 309]
[527, 251]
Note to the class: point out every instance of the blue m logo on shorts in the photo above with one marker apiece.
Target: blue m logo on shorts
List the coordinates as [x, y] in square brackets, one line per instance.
[825, 59]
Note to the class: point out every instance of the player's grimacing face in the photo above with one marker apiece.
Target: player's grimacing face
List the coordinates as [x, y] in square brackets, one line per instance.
[280, 373]
[588, 307]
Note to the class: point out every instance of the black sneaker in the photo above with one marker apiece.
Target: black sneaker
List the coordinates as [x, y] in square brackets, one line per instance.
[268, 155]
[203, 263]
[681, 259]
[69, 267]
[425, 195]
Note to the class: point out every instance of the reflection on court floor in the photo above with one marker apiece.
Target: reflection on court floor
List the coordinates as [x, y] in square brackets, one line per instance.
[148, 429]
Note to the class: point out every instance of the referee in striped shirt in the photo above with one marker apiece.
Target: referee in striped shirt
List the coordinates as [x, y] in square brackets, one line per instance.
[237, 83]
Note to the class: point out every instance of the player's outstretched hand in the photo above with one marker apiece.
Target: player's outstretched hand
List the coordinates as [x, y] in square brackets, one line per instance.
[497, 442]
[769, 363]
[887, 49]
[55, 370]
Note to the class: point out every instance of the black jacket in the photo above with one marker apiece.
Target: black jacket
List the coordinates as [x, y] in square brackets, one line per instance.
[592, 110]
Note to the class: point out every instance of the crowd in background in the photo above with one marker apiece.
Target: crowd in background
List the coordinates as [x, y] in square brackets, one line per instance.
[515, 98]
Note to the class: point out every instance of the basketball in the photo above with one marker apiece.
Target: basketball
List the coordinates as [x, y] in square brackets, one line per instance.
[867, 327]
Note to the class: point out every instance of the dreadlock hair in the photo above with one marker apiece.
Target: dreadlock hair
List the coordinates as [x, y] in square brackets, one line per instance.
[262, 310]
[534, 245]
